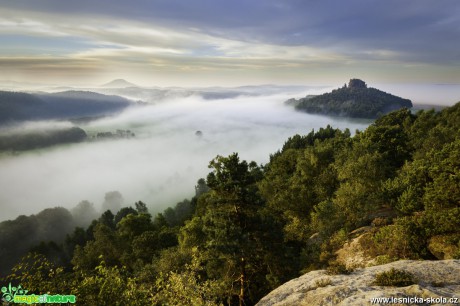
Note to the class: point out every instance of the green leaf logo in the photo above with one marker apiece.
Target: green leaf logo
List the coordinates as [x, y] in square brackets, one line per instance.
[10, 292]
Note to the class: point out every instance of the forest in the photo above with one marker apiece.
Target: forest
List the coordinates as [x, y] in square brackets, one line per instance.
[77, 105]
[250, 228]
[24, 141]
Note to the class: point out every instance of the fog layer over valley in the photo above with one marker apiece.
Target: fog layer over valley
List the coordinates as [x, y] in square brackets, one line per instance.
[162, 163]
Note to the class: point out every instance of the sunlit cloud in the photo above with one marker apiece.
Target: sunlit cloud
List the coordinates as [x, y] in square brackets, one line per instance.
[29, 27]
[125, 40]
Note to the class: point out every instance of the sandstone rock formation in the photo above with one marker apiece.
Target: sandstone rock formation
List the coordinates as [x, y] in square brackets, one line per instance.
[433, 279]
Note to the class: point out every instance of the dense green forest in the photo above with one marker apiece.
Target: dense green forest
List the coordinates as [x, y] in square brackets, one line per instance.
[355, 100]
[249, 228]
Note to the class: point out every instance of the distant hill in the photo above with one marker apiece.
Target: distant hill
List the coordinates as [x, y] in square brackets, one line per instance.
[119, 83]
[17, 106]
[355, 100]
[41, 139]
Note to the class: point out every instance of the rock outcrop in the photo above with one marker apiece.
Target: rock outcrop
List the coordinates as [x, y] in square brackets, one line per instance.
[432, 279]
[355, 100]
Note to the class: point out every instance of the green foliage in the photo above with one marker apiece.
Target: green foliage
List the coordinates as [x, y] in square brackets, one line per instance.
[174, 259]
[108, 219]
[297, 180]
[405, 192]
[187, 287]
[327, 218]
[38, 275]
[230, 224]
[389, 137]
[444, 192]
[405, 239]
[394, 277]
[179, 214]
[134, 225]
[125, 211]
[19, 235]
[106, 246]
[384, 259]
[301, 142]
[337, 268]
[235, 237]
[141, 207]
[393, 241]
[112, 286]
[78, 237]
[331, 245]
[250, 228]
[201, 187]
[445, 246]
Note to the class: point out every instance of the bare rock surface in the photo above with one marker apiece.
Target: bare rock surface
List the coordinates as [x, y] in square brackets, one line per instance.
[433, 279]
[352, 255]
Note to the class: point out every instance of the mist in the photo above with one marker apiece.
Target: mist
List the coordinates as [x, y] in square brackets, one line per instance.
[162, 163]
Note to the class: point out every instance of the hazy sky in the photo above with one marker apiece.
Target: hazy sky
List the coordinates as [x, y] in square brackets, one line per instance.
[213, 42]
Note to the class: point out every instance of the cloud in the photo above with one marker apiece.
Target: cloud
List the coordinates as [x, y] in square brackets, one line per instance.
[208, 35]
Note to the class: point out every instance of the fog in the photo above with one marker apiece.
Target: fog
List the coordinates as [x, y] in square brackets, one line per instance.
[162, 163]
[425, 94]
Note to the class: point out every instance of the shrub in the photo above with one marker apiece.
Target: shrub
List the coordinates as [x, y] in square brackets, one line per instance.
[337, 268]
[404, 239]
[384, 259]
[323, 282]
[380, 221]
[394, 277]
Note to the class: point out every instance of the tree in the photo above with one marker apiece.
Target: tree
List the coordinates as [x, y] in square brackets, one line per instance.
[35, 273]
[84, 213]
[231, 226]
[54, 224]
[106, 246]
[111, 285]
[125, 211]
[141, 207]
[78, 237]
[187, 287]
[113, 200]
[108, 219]
[201, 187]
[134, 225]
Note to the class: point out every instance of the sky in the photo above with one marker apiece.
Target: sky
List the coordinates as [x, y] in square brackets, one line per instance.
[230, 43]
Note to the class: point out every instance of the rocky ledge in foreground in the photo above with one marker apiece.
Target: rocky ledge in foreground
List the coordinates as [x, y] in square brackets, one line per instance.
[432, 279]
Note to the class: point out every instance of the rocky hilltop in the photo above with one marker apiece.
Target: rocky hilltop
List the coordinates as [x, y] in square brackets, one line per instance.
[354, 100]
[431, 279]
